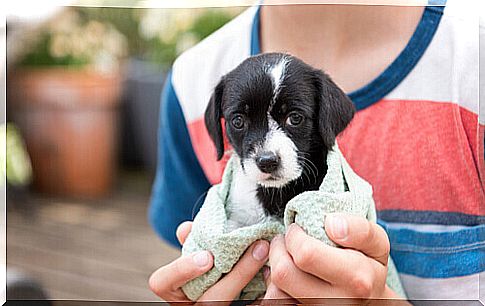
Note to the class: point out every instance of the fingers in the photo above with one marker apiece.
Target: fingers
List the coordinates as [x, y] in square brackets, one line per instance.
[183, 231]
[334, 265]
[359, 234]
[230, 286]
[289, 278]
[273, 294]
[166, 281]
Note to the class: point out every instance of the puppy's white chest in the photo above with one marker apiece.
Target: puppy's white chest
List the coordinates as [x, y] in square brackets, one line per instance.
[243, 208]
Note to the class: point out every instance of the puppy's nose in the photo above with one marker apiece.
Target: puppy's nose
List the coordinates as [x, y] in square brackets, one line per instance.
[267, 162]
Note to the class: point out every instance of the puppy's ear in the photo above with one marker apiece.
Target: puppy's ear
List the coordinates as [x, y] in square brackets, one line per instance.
[213, 116]
[336, 110]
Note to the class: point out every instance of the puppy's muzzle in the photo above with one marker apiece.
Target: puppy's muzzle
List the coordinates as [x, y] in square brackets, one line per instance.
[268, 162]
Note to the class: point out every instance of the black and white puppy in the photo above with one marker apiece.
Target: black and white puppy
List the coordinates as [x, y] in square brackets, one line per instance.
[281, 117]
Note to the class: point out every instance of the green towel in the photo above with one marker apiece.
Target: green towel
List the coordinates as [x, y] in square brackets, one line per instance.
[341, 191]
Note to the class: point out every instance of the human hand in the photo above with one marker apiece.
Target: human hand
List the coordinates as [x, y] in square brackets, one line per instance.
[273, 294]
[302, 266]
[167, 281]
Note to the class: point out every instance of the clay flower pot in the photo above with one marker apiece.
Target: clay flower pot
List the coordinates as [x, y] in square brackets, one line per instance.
[69, 120]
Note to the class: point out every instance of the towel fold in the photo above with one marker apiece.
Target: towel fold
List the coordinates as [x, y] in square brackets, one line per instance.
[342, 190]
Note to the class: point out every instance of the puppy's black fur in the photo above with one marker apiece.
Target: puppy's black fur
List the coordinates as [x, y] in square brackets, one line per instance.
[246, 94]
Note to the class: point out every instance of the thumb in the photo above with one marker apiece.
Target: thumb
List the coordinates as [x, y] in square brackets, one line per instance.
[183, 230]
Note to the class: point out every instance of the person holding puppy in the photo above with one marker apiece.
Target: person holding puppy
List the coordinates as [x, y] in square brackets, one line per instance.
[412, 74]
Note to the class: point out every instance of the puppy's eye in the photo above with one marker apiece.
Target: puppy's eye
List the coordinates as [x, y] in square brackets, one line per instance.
[294, 119]
[238, 122]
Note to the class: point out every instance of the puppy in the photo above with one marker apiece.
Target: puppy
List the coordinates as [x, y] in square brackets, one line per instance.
[281, 117]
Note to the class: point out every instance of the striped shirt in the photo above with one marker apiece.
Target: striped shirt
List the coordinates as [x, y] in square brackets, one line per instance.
[417, 137]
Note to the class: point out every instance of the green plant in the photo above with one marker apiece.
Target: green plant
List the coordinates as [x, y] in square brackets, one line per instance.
[160, 35]
[169, 32]
[15, 162]
[102, 36]
[71, 39]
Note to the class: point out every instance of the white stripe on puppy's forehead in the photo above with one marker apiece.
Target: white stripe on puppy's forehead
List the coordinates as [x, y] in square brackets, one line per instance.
[277, 73]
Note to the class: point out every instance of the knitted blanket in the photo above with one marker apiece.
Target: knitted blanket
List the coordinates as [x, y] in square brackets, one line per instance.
[342, 190]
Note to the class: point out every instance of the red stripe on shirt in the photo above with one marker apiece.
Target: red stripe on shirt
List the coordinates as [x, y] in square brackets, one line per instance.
[205, 151]
[418, 155]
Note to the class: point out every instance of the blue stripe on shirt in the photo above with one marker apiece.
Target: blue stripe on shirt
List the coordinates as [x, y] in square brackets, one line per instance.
[430, 217]
[180, 181]
[437, 254]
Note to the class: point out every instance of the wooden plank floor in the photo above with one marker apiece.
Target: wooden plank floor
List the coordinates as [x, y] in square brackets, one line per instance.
[92, 249]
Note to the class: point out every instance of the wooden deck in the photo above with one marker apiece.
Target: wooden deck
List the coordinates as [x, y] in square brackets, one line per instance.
[83, 250]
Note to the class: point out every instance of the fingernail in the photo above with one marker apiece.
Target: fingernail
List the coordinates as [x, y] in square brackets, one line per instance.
[260, 251]
[266, 272]
[201, 259]
[338, 226]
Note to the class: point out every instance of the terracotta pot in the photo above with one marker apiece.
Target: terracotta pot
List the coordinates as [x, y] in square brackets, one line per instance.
[69, 121]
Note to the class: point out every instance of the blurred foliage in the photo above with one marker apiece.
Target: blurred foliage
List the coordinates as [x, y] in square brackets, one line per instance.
[155, 35]
[42, 55]
[70, 38]
[15, 162]
[123, 19]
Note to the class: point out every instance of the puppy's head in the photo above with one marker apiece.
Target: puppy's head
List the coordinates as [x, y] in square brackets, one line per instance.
[278, 112]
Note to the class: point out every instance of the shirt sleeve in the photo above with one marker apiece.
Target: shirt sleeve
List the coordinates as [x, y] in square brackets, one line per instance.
[180, 184]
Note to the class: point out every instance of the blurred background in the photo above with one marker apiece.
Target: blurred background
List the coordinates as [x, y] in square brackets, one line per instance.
[83, 95]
